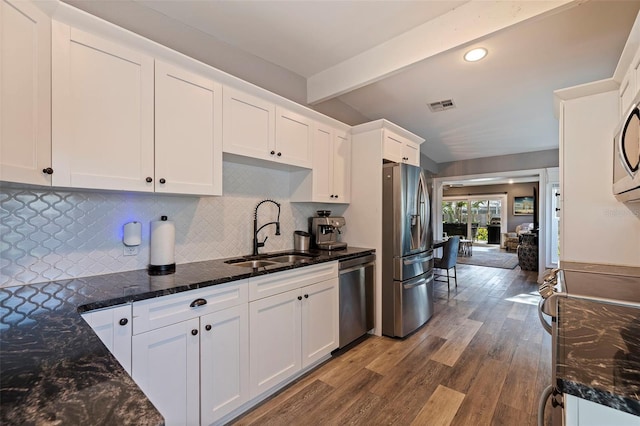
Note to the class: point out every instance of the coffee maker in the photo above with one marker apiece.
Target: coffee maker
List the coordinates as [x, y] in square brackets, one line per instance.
[325, 231]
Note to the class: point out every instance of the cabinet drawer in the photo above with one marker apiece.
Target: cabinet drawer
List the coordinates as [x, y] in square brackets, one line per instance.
[162, 311]
[268, 285]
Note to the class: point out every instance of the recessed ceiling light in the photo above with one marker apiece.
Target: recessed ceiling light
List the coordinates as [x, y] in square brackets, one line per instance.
[475, 54]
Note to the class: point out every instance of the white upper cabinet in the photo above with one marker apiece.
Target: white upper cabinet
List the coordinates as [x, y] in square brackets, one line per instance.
[248, 124]
[25, 93]
[115, 126]
[188, 137]
[400, 149]
[256, 128]
[330, 179]
[102, 113]
[294, 138]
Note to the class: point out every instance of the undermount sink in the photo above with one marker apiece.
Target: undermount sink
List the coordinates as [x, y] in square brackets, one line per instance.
[271, 259]
[291, 258]
[252, 263]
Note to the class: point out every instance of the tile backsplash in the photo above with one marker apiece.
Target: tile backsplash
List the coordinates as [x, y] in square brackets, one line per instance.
[54, 234]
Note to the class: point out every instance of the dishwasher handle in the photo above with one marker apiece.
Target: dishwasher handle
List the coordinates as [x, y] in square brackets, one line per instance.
[357, 262]
[356, 267]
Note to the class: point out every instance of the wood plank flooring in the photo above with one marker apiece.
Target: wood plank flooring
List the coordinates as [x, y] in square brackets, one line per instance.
[480, 360]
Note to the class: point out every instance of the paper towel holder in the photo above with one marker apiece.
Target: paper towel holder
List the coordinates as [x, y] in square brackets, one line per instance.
[163, 269]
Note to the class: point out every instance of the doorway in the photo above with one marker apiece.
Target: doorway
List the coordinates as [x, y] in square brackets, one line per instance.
[477, 218]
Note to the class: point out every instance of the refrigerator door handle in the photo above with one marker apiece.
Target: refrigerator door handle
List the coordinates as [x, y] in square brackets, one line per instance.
[422, 204]
[415, 260]
[417, 282]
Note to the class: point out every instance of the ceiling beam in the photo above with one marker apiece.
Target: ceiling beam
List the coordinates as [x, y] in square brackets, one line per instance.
[461, 26]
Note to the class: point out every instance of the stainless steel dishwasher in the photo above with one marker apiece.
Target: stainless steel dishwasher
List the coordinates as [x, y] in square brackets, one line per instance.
[357, 280]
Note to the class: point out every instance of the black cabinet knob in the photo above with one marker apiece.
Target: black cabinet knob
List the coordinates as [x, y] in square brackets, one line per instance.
[162, 180]
[194, 332]
[331, 196]
[198, 302]
[299, 297]
[273, 152]
[207, 327]
[336, 195]
[149, 179]
[306, 296]
[279, 154]
[123, 321]
[48, 171]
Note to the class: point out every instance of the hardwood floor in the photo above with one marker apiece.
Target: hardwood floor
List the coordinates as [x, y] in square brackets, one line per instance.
[482, 359]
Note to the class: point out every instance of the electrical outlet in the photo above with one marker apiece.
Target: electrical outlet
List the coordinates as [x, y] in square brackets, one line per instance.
[130, 251]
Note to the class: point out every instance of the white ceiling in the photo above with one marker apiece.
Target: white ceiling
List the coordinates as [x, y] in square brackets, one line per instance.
[389, 59]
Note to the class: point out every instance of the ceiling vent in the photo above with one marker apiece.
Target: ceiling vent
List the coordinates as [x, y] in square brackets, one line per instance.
[442, 105]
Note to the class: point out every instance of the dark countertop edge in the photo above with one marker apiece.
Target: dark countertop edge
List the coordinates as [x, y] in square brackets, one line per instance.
[333, 256]
[598, 396]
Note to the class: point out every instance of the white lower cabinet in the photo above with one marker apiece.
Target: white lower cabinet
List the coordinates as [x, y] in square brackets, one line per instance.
[319, 321]
[166, 367]
[113, 327]
[275, 340]
[580, 412]
[291, 331]
[190, 353]
[201, 356]
[224, 361]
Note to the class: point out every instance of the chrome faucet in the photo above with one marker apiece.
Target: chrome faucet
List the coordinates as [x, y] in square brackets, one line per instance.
[256, 244]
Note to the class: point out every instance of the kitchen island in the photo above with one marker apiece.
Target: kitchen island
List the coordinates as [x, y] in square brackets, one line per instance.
[55, 370]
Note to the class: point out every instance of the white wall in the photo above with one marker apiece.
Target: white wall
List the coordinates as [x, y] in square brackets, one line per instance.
[595, 227]
[53, 234]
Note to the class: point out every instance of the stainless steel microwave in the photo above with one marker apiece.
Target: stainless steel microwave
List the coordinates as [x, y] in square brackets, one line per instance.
[626, 156]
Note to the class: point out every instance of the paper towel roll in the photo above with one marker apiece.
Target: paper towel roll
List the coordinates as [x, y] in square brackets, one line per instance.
[162, 253]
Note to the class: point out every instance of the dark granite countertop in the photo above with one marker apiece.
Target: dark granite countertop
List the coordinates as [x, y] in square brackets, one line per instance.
[598, 352]
[55, 370]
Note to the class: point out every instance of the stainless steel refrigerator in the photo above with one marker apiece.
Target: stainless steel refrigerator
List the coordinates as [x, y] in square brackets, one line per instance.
[407, 255]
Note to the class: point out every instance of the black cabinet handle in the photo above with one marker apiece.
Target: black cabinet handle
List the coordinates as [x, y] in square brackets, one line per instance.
[207, 327]
[279, 154]
[299, 297]
[149, 179]
[194, 332]
[198, 302]
[48, 171]
[273, 152]
[162, 180]
[123, 321]
[306, 296]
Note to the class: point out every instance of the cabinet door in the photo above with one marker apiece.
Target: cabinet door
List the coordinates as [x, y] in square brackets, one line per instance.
[274, 340]
[166, 367]
[102, 129]
[188, 137]
[294, 138]
[25, 93]
[323, 162]
[393, 147]
[341, 167]
[411, 153]
[224, 362]
[319, 320]
[248, 125]
[113, 327]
